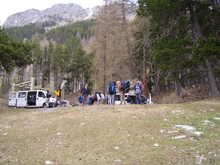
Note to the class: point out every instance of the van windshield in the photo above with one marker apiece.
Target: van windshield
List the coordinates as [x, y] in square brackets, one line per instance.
[41, 94]
[21, 94]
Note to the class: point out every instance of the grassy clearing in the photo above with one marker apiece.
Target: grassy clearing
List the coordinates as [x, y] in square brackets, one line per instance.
[103, 135]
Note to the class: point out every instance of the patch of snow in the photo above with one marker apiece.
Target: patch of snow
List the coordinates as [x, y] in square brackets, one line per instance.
[179, 137]
[5, 134]
[197, 133]
[48, 162]
[174, 147]
[213, 153]
[206, 122]
[82, 124]
[90, 14]
[117, 160]
[200, 159]
[7, 126]
[189, 129]
[171, 132]
[186, 128]
[156, 145]
[116, 148]
[216, 118]
[58, 133]
[178, 111]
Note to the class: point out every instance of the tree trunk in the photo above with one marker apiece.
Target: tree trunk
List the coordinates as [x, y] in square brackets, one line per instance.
[125, 25]
[52, 81]
[104, 65]
[214, 92]
[197, 34]
[41, 78]
[52, 73]
[178, 88]
[157, 84]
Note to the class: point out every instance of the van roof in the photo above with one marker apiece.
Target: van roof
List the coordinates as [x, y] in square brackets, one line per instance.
[32, 90]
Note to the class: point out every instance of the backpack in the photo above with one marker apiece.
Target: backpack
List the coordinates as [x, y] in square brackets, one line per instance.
[123, 86]
[127, 86]
[112, 89]
[138, 88]
[98, 96]
[95, 97]
[80, 99]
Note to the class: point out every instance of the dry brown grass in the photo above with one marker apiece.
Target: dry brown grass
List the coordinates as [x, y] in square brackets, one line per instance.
[100, 135]
[170, 98]
[188, 95]
[3, 105]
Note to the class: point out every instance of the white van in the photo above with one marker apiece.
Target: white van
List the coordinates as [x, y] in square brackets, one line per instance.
[32, 98]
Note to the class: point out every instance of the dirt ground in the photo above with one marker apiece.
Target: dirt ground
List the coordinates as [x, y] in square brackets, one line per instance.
[112, 135]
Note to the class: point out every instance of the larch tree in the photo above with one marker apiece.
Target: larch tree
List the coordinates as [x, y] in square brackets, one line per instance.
[113, 38]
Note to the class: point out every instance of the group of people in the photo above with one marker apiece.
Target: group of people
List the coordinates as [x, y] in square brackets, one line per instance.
[87, 98]
[119, 88]
[123, 87]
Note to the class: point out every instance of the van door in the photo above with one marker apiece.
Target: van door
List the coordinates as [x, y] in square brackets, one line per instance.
[22, 99]
[41, 98]
[31, 98]
[12, 99]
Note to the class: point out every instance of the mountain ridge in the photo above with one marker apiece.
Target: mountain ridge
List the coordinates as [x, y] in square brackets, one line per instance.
[60, 14]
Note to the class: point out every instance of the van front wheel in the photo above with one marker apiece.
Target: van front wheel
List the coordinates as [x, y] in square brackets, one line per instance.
[44, 105]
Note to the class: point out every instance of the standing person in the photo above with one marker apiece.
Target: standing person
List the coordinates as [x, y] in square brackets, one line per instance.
[122, 92]
[138, 91]
[91, 100]
[112, 92]
[118, 86]
[85, 92]
[58, 95]
[102, 98]
[98, 97]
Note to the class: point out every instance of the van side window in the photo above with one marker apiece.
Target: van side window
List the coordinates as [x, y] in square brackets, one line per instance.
[22, 95]
[41, 94]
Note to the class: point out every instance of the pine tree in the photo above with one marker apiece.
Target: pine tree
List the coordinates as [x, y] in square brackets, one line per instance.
[179, 21]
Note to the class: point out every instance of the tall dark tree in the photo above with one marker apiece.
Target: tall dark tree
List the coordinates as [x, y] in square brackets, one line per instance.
[13, 54]
[179, 21]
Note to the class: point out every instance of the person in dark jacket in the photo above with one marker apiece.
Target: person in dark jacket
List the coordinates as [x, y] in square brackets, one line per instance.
[138, 91]
[85, 93]
[112, 92]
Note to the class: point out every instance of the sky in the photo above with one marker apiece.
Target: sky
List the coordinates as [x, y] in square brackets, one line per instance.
[9, 7]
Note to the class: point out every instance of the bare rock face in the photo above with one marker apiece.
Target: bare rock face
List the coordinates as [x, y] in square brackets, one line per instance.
[23, 18]
[59, 14]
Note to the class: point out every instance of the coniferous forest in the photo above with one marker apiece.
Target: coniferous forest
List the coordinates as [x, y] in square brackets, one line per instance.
[171, 46]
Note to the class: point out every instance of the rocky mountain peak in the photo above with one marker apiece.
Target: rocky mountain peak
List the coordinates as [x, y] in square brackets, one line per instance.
[59, 14]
